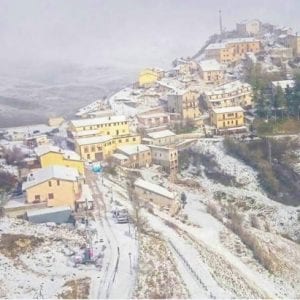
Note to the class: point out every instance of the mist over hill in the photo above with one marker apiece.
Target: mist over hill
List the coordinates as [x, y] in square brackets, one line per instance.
[59, 55]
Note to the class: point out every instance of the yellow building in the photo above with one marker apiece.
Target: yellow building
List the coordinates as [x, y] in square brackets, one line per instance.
[55, 185]
[101, 147]
[111, 125]
[211, 71]
[228, 118]
[185, 103]
[52, 155]
[149, 76]
[235, 93]
[232, 50]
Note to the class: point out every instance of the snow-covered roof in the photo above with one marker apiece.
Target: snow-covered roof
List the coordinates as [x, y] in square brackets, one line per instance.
[241, 40]
[228, 87]
[71, 155]
[171, 83]
[43, 149]
[120, 156]
[98, 121]
[216, 46]
[93, 140]
[284, 83]
[154, 115]
[85, 132]
[223, 45]
[47, 210]
[162, 148]
[229, 109]
[133, 149]
[154, 188]
[44, 174]
[67, 154]
[210, 65]
[161, 134]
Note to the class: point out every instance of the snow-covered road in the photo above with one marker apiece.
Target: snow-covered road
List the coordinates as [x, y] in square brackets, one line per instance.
[118, 276]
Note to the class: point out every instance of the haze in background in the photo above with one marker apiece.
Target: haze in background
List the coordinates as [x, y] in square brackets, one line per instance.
[93, 43]
[139, 32]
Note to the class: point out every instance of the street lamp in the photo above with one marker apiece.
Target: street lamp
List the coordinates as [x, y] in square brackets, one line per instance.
[129, 254]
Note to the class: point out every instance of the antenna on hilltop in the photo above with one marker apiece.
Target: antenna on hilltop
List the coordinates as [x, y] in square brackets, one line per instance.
[220, 23]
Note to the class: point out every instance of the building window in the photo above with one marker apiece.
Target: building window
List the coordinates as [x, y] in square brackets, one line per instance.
[49, 183]
[50, 196]
[86, 150]
[37, 198]
[57, 182]
[93, 149]
[134, 139]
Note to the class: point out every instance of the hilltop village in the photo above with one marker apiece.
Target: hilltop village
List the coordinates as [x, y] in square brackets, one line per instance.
[151, 193]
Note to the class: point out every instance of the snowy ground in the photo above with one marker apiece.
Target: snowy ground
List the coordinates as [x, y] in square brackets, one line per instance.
[39, 270]
[120, 261]
[224, 266]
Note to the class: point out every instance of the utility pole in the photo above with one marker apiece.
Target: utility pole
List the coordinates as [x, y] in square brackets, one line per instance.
[269, 150]
[130, 265]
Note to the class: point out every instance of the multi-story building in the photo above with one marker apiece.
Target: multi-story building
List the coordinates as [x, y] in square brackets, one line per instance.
[150, 76]
[235, 93]
[111, 125]
[248, 27]
[232, 50]
[279, 52]
[228, 118]
[185, 103]
[97, 148]
[137, 155]
[166, 157]
[36, 140]
[211, 71]
[153, 120]
[161, 138]
[52, 155]
[54, 185]
[293, 41]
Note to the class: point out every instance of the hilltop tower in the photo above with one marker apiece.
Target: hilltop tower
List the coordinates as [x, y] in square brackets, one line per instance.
[220, 24]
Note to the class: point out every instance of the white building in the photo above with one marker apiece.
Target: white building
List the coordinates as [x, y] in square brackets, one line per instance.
[161, 138]
[235, 93]
[167, 157]
[211, 71]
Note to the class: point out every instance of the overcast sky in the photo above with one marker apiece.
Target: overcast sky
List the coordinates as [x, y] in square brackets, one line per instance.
[141, 32]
